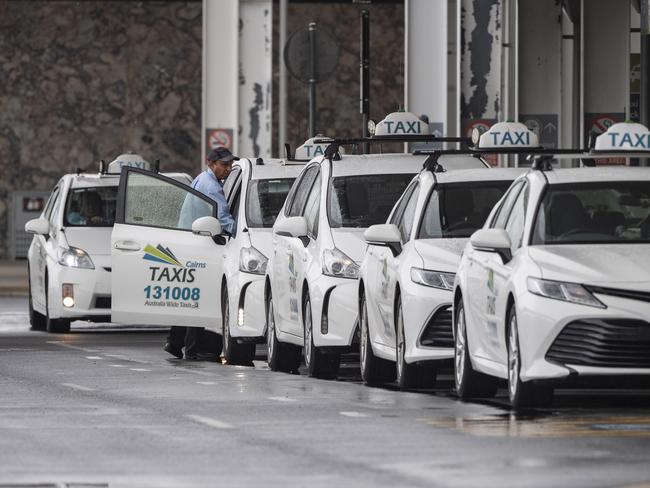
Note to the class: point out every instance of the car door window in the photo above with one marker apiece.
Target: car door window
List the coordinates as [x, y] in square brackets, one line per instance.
[234, 208]
[312, 208]
[302, 191]
[231, 181]
[499, 221]
[515, 224]
[405, 223]
[157, 201]
[399, 210]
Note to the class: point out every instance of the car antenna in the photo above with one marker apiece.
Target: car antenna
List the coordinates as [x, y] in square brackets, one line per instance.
[287, 151]
[259, 161]
[102, 167]
[157, 165]
[332, 152]
[432, 164]
[542, 163]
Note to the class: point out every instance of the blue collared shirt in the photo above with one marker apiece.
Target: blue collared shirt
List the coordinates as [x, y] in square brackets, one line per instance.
[208, 184]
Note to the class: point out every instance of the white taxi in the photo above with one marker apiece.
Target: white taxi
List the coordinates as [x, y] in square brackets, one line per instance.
[407, 273]
[310, 293]
[69, 261]
[262, 186]
[555, 288]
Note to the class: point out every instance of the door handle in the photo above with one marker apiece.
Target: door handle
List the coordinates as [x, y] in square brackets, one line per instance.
[127, 246]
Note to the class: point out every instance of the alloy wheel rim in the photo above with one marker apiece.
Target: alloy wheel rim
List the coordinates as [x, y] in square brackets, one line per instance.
[460, 349]
[308, 333]
[364, 336]
[513, 358]
[270, 330]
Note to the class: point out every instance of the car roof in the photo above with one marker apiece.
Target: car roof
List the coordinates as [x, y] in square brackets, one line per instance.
[597, 173]
[362, 164]
[468, 175]
[87, 180]
[275, 168]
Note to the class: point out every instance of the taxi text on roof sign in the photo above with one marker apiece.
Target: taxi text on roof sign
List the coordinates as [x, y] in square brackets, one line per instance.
[624, 136]
[506, 135]
[310, 150]
[402, 124]
[134, 160]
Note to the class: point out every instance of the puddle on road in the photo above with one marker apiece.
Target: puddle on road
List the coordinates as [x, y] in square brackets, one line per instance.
[545, 424]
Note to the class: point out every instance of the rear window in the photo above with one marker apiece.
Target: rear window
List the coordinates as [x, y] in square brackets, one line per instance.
[91, 207]
[364, 200]
[265, 199]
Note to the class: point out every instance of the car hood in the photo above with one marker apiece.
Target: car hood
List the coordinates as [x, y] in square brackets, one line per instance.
[601, 264]
[96, 241]
[441, 254]
[351, 242]
[262, 240]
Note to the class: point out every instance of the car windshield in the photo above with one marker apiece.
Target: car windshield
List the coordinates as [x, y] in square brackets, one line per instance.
[459, 209]
[594, 213]
[265, 199]
[91, 207]
[364, 200]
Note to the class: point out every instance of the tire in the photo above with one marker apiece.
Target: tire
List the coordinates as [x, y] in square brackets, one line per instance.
[469, 383]
[233, 352]
[36, 320]
[319, 364]
[522, 394]
[374, 370]
[280, 356]
[54, 326]
[410, 375]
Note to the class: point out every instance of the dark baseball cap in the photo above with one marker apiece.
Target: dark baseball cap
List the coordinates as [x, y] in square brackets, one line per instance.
[221, 154]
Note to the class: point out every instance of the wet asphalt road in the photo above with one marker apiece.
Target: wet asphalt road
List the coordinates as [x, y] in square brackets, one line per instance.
[105, 407]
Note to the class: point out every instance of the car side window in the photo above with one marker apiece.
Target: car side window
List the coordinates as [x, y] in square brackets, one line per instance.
[499, 221]
[231, 181]
[405, 223]
[156, 201]
[234, 208]
[297, 204]
[312, 208]
[399, 210]
[515, 224]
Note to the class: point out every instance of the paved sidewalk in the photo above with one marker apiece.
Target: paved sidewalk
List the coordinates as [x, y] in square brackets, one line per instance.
[13, 278]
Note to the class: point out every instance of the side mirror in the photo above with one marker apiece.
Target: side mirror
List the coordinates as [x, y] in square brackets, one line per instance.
[38, 226]
[386, 235]
[293, 227]
[492, 240]
[206, 226]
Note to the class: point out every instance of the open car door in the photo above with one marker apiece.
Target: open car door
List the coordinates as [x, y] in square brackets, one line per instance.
[163, 273]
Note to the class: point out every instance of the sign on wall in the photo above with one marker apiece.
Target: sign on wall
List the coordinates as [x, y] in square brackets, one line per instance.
[218, 137]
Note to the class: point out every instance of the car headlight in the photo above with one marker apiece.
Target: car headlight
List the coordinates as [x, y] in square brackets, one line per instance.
[252, 261]
[337, 264]
[75, 258]
[435, 279]
[568, 292]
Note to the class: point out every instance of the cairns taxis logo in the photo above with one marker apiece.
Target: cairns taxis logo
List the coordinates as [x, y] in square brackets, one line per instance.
[161, 254]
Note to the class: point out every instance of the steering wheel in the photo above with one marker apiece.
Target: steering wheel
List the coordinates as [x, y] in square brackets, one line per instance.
[463, 224]
[579, 230]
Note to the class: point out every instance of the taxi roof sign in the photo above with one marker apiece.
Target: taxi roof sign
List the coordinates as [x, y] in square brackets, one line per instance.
[401, 124]
[310, 148]
[506, 135]
[127, 159]
[624, 136]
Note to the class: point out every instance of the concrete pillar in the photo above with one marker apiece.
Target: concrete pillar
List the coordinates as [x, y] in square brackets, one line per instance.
[220, 74]
[426, 39]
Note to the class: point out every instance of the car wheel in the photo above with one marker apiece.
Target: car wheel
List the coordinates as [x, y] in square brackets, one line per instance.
[319, 364]
[281, 357]
[36, 320]
[522, 394]
[410, 375]
[374, 370]
[54, 326]
[233, 352]
[469, 383]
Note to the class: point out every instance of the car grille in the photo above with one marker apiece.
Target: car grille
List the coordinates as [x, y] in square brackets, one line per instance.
[611, 343]
[617, 292]
[438, 332]
[103, 302]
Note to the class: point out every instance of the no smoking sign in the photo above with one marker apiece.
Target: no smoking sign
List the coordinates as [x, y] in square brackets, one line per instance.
[218, 137]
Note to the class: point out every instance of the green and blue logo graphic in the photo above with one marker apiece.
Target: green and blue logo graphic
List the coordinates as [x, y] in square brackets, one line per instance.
[161, 254]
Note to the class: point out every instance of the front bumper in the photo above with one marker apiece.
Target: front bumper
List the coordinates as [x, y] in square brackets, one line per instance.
[92, 293]
[427, 318]
[542, 321]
